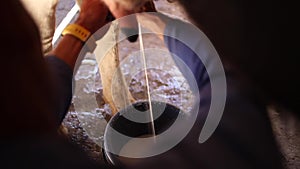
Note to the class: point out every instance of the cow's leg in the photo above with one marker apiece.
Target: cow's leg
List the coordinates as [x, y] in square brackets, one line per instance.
[115, 90]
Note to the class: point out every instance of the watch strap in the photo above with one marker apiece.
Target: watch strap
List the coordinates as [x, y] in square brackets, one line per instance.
[77, 31]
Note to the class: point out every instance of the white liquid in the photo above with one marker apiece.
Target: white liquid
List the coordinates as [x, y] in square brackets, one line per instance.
[135, 148]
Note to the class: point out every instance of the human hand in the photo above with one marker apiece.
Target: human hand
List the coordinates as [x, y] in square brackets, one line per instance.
[92, 15]
[121, 8]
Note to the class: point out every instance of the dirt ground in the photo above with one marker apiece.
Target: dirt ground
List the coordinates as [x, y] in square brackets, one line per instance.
[84, 117]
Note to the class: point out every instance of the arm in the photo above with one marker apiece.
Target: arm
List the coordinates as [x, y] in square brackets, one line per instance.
[62, 59]
[243, 138]
[92, 17]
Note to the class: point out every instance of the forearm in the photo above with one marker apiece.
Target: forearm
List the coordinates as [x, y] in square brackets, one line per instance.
[62, 59]
[68, 50]
[70, 46]
[61, 62]
[92, 17]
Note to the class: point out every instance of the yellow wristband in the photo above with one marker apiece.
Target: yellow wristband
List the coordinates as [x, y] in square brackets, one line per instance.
[77, 31]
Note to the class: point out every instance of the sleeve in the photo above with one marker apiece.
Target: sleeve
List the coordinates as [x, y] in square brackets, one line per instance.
[62, 76]
[182, 51]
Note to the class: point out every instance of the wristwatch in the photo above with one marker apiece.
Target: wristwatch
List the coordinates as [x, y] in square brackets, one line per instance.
[82, 34]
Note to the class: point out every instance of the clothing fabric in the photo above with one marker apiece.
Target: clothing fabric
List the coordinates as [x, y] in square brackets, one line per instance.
[43, 13]
[62, 76]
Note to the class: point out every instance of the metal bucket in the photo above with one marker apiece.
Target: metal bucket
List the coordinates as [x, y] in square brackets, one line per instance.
[124, 123]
